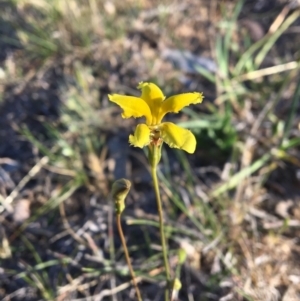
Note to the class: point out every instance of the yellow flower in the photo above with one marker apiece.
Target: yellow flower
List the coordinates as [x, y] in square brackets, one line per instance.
[153, 105]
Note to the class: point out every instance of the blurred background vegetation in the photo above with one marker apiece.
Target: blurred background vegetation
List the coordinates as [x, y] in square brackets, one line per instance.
[233, 206]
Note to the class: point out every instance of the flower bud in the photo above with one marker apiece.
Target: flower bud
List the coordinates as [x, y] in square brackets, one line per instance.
[120, 189]
[181, 256]
[174, 286]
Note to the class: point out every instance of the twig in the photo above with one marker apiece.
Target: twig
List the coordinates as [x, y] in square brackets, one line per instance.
[6, 203]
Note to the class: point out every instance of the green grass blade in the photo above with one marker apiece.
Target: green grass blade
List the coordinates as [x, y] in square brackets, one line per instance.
[235, 180]
[273, 38]
[293, 111]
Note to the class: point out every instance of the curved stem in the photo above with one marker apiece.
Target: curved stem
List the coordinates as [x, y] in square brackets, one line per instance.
[161, 228]
[120, 230]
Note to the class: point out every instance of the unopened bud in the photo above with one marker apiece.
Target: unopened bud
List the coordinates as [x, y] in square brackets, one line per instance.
[174, 286]
[181, 256]
[120, 189]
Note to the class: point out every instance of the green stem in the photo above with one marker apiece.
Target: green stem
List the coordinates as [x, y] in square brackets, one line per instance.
[138, 293]
[161, 228]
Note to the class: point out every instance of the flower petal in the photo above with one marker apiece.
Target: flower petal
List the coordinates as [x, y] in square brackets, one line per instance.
[141, 136]
[132, 106]
[175, 103]
[154, 97]
[178, 137]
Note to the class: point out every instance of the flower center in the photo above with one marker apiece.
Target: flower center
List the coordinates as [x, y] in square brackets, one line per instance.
[155, 137]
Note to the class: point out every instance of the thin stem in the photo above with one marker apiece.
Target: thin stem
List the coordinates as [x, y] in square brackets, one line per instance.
[119, 226]
[112, 251]
[161, 227]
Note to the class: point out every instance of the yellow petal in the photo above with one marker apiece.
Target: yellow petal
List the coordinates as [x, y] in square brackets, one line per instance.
[178, 137]
[175, 103]
[141, 136]
[154, 97]
[132, 106]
